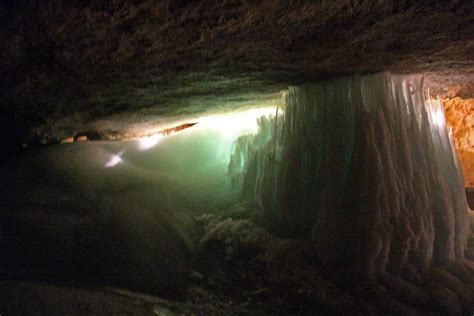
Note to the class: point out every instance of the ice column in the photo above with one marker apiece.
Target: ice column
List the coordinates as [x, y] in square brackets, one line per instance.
[365, 167]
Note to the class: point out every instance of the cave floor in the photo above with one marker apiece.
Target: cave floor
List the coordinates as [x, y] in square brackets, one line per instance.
[239, 269]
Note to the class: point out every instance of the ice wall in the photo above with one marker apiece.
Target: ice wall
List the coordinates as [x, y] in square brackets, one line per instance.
[366, 167]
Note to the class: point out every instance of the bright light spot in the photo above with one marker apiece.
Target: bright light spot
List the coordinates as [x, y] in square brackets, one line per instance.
[114, 160]
[435, 109]
[438, 117]
[232, 125]
[148, 142]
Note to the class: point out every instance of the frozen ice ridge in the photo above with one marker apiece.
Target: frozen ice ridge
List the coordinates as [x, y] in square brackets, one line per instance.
[365, 167]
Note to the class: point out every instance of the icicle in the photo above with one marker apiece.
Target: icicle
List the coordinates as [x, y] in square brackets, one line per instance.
[366, 166]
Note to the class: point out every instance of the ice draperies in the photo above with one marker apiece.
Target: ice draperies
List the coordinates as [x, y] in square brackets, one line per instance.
[365, 167]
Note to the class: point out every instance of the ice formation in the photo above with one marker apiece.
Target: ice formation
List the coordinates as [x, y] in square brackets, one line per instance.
[363, 165]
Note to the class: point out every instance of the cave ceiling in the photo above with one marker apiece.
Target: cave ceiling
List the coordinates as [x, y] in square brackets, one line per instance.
[72, 65]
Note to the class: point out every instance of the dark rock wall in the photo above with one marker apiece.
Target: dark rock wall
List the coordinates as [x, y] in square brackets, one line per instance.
[83, 60]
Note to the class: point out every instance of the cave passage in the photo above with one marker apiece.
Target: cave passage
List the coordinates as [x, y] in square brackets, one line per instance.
[118, 211]
[236, 157]
[357, 173]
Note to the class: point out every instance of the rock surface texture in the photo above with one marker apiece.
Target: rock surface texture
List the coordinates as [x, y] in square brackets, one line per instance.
[460, 119]
[67, 64]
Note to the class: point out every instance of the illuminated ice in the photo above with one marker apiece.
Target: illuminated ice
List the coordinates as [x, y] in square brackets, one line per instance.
[366, 167]
[148, 142]
[114, 160]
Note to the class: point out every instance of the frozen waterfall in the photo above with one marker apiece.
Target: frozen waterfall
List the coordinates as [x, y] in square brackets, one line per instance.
[363, 165]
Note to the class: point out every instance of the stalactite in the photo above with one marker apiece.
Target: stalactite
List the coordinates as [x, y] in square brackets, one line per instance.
[366, 167]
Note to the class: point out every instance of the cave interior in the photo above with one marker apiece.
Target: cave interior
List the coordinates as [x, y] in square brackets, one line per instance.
[197, 157]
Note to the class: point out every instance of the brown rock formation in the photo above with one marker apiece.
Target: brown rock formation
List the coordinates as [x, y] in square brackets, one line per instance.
[460, 118]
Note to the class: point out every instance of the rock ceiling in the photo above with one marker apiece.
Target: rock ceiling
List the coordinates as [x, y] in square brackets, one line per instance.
[67, 64]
